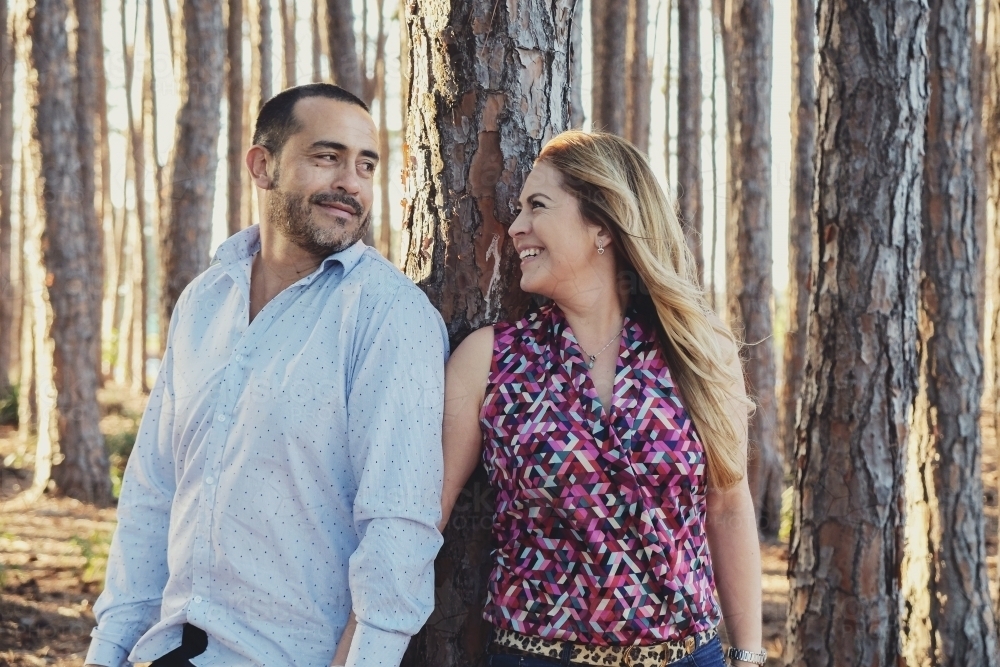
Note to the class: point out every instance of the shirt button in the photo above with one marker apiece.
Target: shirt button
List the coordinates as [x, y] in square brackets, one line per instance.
[239, 358]
[209, 480]
[221, 418]
[197, 599]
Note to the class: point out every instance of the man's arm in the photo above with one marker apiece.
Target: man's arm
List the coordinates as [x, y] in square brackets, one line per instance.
[137, 562]
[394, 414]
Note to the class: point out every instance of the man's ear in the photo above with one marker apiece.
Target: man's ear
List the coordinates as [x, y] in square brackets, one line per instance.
[259, 163]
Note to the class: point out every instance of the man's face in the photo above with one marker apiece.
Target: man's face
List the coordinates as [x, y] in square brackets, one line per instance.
[321, 189]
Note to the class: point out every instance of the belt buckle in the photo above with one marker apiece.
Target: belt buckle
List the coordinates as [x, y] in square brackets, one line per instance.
[627, 658]
[690, 644]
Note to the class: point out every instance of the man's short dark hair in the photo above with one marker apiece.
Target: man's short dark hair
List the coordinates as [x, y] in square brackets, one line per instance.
[276, 120]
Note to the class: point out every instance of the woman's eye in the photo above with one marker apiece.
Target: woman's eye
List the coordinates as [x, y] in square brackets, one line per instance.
[537, 204]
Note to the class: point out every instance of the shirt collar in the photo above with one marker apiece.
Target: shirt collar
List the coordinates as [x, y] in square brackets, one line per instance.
[246, 243]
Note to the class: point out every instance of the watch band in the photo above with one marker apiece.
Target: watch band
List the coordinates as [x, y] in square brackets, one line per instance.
[747, 656]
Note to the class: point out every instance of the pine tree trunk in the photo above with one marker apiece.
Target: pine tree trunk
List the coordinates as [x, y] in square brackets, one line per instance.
[6, 198]
[80, 463]
[235, 140]
[385, 225]
[576, 56]
[188, 232]
[110, 231]
[31, 277]
[748, 241]
[689, 188]
[713, 142]
[482, 104]
[668, 76]
[317, 42]
[265, 50]
[948, 618]
[287, 8]
[608, 23]
[861, 357]
[343, 48]
[638, 82]
[800, 216]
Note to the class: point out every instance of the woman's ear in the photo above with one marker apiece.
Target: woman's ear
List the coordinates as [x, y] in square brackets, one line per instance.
[259, 162]
[604, 238]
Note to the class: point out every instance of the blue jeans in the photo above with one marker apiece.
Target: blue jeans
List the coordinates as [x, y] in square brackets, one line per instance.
[706, 655]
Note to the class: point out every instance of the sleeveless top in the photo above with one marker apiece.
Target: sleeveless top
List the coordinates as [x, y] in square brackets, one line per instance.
[599, 518]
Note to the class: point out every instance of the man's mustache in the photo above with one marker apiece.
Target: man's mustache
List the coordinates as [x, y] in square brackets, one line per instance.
[325, 199]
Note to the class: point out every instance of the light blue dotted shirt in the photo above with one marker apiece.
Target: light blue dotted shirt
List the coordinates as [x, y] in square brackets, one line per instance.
[285, 470]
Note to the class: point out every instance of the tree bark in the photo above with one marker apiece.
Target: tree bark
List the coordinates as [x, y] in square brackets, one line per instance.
[577, 113]
[861, 361]
[948, 617]
[6, 198]
[343, 48]
[748, 240]
[490, 84]
[608, 22]
[265, 50]
[80, 463]
[236, 144]
[385, 225]
[110, 232]
[638, 81]
[689, 187]
[800, 216]
[187, 235]
[713, 142]
[668, 75]
[288, 16]
[317, 42]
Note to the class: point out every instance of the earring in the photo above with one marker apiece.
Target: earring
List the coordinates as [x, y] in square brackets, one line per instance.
[600, 247]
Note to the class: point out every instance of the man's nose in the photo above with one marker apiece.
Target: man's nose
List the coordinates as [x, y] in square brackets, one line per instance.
[347, 179]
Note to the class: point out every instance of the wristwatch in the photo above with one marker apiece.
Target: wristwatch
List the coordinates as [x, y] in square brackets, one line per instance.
[747, 656]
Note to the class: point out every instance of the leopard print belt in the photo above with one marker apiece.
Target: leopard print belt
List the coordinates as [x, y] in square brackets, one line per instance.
[652, 655]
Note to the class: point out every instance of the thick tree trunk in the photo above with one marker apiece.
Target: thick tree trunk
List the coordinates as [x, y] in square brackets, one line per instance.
[265, 50]
[948, 618]
[490, 84]
[288, 16]
[748, 241]
[188, 232]
[689, 188]
[80, 464]
[638, 82]
[236, 144]
[344, 63]
[800, 215]
[608, 23]
[7, 332]
[861, 361]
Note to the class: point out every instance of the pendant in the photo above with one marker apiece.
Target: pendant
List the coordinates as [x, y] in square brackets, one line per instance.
[592, 361]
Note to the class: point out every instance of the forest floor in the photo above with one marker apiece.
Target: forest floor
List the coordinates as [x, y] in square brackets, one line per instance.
[52, 555]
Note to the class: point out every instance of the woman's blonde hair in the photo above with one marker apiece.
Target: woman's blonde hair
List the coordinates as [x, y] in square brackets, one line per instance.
[616, 189]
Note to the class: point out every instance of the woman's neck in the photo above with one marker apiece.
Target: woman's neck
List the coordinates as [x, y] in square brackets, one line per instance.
[594, 317]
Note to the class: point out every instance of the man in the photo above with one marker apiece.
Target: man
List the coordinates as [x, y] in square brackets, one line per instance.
[288, 465]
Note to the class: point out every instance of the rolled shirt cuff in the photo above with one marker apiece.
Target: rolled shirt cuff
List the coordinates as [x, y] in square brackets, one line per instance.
[104, 652]
[372, 647]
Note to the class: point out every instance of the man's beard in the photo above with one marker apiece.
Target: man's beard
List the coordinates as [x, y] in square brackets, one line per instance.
[292, 215]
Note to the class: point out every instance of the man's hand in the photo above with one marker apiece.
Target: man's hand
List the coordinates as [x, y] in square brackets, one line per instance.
[344, 647]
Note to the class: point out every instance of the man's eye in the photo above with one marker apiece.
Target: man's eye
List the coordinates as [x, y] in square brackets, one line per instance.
[328, 157]
[369, 167]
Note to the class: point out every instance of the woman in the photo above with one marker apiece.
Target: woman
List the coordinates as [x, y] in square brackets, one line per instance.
[612, 423]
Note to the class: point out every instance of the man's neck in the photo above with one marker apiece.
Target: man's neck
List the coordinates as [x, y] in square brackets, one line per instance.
[278, 265]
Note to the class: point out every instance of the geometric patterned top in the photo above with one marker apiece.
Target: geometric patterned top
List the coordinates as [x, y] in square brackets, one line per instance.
[599, 520]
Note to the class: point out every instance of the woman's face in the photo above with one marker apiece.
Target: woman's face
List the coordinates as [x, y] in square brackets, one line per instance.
[557, 246]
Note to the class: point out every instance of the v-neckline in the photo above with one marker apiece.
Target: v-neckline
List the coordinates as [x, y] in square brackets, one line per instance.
[573, 359]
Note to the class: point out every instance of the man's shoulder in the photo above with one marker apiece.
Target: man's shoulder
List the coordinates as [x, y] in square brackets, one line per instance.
[382, 282]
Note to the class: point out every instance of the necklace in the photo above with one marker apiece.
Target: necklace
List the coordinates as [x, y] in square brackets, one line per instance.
[592, 358]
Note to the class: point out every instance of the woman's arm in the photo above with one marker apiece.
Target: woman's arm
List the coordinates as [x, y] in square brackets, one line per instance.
[732, 538]
[465, 381]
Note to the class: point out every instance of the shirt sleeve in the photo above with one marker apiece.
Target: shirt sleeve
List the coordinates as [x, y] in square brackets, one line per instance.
[137, 562]
[395, 409]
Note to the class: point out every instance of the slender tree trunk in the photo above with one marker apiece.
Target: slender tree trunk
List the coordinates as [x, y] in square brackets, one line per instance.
[748, 241]
[861, 358]
[236, 144]
[317, 42]
[689, 188]
[31, 281]
[186, 237]
[668, 75]
[472, 136]
[171, 42]
[948, 619]
[608, 22]
[800, 216]
[110, 232]
[577, 113]
[80, 463]
[6, 197]
[344, 63]
[638, 83]
[265, 50]
[288, 18]
[716, 35]
[385, 226]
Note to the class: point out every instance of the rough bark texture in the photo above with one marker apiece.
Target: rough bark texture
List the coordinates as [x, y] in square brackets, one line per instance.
[188, 232]
[608, 23]
[689, 188]
[748, 239]
[489, 85]
[861, 361]
[265, 50]
[948, 617]
[343, 48]
[638, 82]
[236, 143]
[80, 464]
[7, 332]
[288, 16]
[800, 216]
